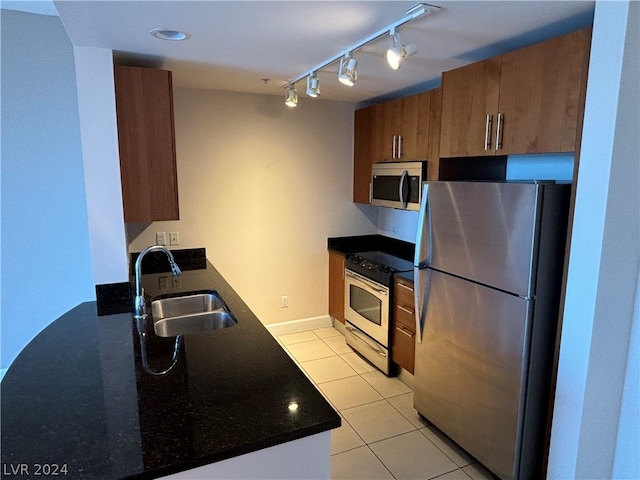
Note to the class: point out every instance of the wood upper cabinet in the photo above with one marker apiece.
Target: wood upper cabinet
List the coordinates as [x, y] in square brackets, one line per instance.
[405, 129]
[522, 102]
[469, 101]
[401, 129]
[540, 94]
[336, 286]
[146, 138]
[363, 148]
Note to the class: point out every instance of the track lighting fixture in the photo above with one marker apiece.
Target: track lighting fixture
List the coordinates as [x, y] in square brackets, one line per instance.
[397, 52]
[347, 74]
[291, 98]
[313, 85]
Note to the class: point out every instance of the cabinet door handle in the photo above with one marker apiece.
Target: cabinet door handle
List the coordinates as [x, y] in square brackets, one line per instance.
[399, 146]
[408, 334]
[402, 285]
[499, 132]
[487, 131]
[393, 147]
[406, 310]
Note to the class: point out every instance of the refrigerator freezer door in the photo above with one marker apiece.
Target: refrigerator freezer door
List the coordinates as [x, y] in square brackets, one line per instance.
[485, 232]
[471, 367]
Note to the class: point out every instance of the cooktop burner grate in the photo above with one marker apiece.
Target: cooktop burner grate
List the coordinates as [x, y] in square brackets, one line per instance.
[378, 266]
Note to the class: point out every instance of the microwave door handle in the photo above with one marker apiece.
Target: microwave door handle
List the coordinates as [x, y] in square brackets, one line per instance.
[403, 190]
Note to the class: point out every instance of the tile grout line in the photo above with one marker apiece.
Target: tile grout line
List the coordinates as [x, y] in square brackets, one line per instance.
[386, 399]
[380, 460]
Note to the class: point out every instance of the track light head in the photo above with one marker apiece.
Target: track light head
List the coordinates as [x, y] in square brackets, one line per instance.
[397, 52]
[347, 73]
[313, 85]
[291, 98]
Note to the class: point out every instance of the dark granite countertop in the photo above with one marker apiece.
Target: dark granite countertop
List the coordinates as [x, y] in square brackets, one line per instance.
[366, 243]
[405, 275]
[77, 395]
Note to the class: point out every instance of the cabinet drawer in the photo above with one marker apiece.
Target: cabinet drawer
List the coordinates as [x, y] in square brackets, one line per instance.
[403, 292]
[405, 316]
[403, 347]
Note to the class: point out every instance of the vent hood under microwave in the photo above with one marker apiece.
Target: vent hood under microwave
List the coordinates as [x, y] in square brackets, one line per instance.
[398, 184]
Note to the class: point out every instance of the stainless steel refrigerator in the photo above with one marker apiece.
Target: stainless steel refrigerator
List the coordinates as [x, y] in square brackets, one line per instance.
[488, 274]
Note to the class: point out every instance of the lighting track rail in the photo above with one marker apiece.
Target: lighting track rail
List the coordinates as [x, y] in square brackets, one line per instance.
[347, 73]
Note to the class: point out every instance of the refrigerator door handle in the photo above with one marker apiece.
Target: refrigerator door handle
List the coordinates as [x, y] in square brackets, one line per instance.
[422, 254]
[422, 282]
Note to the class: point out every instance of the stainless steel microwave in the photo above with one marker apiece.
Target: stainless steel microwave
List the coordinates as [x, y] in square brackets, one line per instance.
[398, 184]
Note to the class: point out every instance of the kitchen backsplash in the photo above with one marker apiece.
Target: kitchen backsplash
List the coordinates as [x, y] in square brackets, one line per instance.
[400, 224]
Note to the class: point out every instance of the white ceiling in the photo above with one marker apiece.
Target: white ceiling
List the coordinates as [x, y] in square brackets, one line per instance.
[234, 44]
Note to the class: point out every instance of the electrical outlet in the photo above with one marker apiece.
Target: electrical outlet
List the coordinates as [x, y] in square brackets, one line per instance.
[284, 301]
[174, 238]
[161, 238]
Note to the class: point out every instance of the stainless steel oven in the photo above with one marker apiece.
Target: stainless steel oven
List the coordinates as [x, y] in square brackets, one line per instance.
[366, 312]
[368, 298]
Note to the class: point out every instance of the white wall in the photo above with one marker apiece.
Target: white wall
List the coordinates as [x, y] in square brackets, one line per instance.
[46, 262]
[540, 167]
[99, 133]
[594, 417]
[262, 187]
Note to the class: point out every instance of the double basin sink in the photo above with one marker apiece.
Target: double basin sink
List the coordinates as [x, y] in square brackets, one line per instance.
[188, 313]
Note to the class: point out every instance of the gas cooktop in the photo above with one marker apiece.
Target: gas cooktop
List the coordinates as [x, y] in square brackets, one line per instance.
[378, 266]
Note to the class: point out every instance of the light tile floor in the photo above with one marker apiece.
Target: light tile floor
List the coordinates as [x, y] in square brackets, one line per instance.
[382, 436]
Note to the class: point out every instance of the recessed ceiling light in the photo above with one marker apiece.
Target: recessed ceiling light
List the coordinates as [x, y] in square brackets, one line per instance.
[169, 34]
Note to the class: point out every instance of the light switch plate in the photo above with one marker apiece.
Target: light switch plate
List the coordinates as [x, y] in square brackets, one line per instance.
[161, 238]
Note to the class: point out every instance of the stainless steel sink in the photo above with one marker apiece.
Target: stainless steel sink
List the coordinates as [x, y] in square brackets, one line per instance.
[190, 313]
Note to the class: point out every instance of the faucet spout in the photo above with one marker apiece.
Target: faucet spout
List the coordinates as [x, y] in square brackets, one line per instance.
[139, 302]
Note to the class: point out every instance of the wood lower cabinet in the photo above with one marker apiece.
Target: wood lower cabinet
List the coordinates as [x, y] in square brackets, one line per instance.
[402, 130]
[146, 138]
[523, 102]
[336, 286]
[403, 327]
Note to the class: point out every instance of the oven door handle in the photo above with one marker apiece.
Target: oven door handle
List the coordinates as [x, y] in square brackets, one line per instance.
[356, 334]
[358, 279]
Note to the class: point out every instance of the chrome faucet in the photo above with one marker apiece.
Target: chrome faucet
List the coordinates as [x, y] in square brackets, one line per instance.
[139, 302]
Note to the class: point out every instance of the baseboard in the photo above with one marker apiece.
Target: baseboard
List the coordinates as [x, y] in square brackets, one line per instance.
[302, 325]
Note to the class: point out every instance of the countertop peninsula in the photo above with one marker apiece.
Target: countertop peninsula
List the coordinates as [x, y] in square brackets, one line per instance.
[77, 397]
